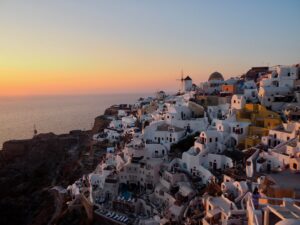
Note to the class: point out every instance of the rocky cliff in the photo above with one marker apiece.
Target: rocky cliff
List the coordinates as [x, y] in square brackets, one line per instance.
[100, 123]
[30, 168]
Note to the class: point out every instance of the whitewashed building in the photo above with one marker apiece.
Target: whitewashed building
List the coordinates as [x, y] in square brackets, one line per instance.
[276, 89]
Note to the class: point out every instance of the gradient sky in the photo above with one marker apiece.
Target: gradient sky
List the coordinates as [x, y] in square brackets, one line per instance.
[81, 47]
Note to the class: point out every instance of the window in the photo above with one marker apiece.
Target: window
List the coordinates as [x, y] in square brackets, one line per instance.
[210, 139]
[294, 166]
[216, 139]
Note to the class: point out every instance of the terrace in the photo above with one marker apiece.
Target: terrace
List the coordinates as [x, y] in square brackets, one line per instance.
[110, 217]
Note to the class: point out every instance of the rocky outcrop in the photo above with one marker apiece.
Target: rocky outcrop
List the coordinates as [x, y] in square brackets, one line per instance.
[111, 111]
[15, 148]
[100, 123]
[30, 168]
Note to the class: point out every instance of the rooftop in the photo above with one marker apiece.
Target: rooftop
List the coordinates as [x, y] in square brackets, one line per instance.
[187, 78]
[286, 179]
[222, 203]
[286, 212]
[282, 129]
[167, 127]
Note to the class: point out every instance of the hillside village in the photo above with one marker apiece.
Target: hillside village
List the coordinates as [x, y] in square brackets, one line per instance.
[223, 152]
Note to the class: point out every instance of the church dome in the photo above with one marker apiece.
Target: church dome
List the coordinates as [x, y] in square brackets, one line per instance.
[216, 76]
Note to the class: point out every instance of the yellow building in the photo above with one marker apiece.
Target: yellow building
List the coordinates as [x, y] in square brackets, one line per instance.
[261, 121]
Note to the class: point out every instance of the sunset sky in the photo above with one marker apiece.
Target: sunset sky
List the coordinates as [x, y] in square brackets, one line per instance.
[82, 47]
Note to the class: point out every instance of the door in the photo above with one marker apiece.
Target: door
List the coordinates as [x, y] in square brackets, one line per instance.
[215, 166]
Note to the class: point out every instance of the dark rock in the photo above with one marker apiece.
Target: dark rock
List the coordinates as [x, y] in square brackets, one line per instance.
[101, 122]
[30, 168]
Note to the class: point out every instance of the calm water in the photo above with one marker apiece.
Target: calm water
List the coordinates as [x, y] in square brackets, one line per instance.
[58, 114]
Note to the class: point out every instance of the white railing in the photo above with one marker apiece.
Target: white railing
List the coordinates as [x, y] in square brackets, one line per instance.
[252, 208]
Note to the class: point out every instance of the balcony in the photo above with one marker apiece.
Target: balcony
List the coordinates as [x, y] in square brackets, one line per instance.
[157, 155]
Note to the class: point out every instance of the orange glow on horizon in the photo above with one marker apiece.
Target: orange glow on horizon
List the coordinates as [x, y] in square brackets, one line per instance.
[32, 68]
[48, 83]
[78, 80]
[75, 47]
[30, 82]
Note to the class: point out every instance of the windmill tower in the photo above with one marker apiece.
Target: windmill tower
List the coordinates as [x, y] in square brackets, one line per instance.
[181, 82]
[187, 84]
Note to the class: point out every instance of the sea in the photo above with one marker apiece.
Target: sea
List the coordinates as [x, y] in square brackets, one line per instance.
[57, 114]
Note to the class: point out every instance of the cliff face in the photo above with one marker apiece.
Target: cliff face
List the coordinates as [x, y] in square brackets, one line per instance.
[15, 149]
[29, 168]
[111, 111]
[100, 123]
